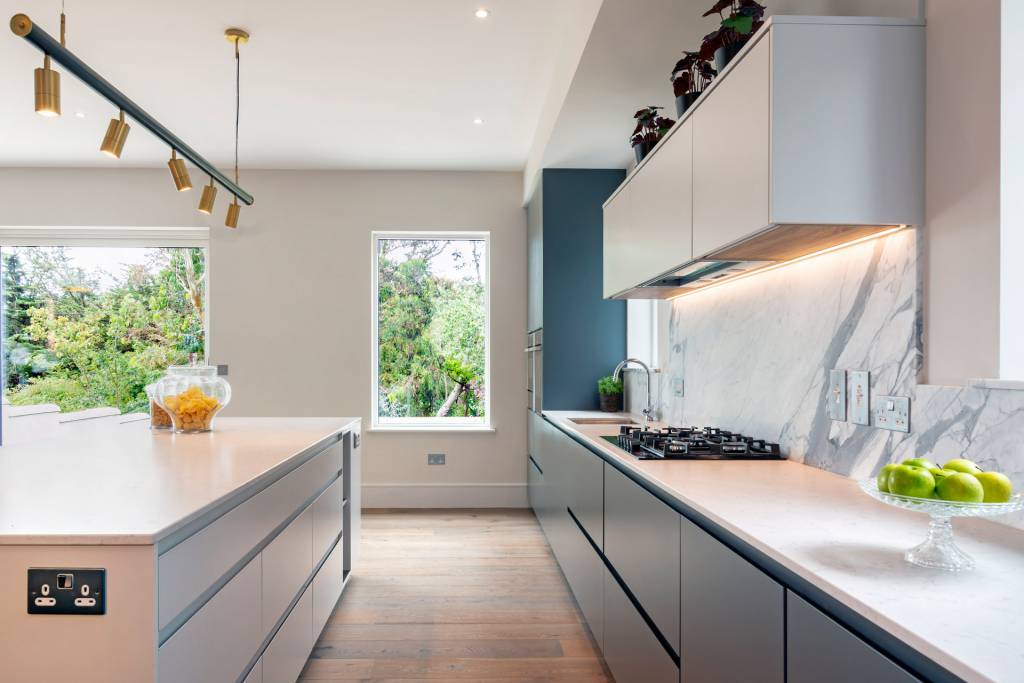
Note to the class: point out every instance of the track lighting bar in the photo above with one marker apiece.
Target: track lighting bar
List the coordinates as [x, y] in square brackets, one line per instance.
[22, 26]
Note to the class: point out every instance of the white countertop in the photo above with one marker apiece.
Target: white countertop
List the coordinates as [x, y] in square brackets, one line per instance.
[823, 528]
[134, 486]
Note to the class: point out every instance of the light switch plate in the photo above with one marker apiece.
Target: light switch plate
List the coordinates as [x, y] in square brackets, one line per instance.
[435, 458]
[859, 400]
[893, 413]
[836, 402]
[677, 387]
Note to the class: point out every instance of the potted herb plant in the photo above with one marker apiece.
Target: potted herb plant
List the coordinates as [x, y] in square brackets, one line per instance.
[722, 44]
[610, 390]
[689, 78]
[650, 127]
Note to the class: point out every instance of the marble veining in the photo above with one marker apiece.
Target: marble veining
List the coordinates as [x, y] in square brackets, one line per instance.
[755, 354]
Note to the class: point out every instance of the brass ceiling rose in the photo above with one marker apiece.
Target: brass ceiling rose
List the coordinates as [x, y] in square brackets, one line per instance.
[236, 35]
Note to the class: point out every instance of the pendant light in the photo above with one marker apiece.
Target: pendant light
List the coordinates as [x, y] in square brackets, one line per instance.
[179, 172]
[47, 81]
[208, 198]
[117, 133]
[236, 36]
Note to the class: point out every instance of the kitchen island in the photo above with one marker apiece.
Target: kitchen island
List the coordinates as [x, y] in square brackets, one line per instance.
[222, 553]
[809, 576]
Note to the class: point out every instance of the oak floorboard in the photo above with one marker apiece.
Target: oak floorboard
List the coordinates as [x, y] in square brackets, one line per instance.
[456, 596]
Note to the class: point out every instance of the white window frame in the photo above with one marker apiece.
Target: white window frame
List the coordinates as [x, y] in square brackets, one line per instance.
[647, 331]
[432, 424]
[116, 236]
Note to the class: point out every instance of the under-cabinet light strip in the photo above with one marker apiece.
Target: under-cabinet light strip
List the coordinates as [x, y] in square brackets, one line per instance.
[783, 264]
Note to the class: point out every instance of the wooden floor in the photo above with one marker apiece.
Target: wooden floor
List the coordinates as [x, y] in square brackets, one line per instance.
[453, 595]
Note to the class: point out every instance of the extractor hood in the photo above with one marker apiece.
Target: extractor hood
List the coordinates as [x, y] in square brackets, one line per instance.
[771, 247]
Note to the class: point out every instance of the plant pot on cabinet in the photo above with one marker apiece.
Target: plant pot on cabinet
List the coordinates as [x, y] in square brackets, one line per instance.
[724, 54]
[685, 101]
[611, 403]
[642, 149]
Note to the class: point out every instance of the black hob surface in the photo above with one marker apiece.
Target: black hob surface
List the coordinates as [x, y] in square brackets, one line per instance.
[692, 443]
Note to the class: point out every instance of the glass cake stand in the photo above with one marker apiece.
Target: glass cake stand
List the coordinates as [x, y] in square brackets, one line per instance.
[938, 550]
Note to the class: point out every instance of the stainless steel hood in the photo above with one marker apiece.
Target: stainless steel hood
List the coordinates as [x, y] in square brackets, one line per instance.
[777, 244]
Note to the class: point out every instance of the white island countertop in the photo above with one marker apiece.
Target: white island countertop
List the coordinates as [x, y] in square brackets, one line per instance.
[132, 486]
[824, 529]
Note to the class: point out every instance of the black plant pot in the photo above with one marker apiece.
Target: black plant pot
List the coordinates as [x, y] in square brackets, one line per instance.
[611, 403]
[683, 102]
[642, 149]
[724, 54]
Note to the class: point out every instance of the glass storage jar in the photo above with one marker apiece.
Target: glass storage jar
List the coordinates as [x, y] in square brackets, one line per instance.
[158, 417]
[192, 395]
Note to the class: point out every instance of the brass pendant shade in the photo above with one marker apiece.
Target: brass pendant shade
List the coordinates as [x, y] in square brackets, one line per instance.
[47, 90]
[208, 198]
[232, 218]
[117, 133]
[179, 172]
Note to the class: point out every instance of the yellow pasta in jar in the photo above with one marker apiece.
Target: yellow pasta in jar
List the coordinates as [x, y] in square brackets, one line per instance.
[192, 410]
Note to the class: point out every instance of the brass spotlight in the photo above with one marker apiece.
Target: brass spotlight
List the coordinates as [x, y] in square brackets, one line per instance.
[47, 90]
[208, 198]
[233, 210]
[179, 172]
[117, 133]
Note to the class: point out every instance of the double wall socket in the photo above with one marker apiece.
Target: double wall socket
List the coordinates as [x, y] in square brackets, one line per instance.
[435, 458]
[67, 591]
[893, 413]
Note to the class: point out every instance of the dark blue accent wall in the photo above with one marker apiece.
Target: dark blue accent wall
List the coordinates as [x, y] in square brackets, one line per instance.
[584, 335]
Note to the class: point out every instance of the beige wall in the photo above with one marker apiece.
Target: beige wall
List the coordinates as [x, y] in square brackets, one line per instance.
[962, 193]
[290, 300]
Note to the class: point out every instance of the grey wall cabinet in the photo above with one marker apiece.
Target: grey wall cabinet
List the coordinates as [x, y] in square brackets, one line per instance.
[631, 650]
[819, 649]
[732, 617]
[641, 540]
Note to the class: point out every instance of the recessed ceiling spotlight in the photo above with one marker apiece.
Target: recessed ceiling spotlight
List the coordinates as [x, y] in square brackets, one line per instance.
[79, 114]
[482, 13]
[478, 121]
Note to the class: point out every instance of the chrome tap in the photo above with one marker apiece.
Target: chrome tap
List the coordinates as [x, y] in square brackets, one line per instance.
[649, 410]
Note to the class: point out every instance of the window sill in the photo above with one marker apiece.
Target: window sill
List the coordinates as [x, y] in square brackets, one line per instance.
[433, 429]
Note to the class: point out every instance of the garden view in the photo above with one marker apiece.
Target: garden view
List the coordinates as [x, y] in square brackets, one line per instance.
[431, 327]
[89, 327]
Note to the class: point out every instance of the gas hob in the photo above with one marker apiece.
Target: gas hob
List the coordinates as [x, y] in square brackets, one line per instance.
[692, 443]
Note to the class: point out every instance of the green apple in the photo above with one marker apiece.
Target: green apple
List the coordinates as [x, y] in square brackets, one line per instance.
[961, 487]
[962, 465]
[883, 477]
[906, 480]
[998, 488]
[940, 473]
[919, 462]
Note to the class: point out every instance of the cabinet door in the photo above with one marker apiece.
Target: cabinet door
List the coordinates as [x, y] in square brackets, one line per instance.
[819, 649]
[631, 649]
[584, 477]
[731, 155]
[732, 622]
[584, 571]
[620, 259]
[535, 260]
[256, 674]
[534, 483]
[663, 205]
[641, 540]
[555, 492]
[287, 652]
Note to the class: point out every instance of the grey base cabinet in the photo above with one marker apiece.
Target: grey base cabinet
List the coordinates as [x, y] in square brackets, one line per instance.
[732, 615]
[642, 543]
[631, 651]
[584, 571]
[819, 649]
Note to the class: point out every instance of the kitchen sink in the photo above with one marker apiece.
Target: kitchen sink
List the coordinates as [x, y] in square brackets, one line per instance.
[601, 421]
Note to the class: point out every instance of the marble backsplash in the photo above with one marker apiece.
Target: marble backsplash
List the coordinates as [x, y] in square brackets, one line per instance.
[754, 355]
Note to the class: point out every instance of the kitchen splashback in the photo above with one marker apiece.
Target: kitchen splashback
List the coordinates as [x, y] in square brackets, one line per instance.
[755, 354]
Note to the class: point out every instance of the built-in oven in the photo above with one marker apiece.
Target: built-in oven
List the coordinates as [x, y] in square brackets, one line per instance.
[534, 369]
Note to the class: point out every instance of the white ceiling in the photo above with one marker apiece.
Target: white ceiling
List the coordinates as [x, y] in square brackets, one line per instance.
[325, 83]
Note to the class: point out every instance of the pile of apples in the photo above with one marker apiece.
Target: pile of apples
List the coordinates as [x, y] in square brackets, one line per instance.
[959, 480]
